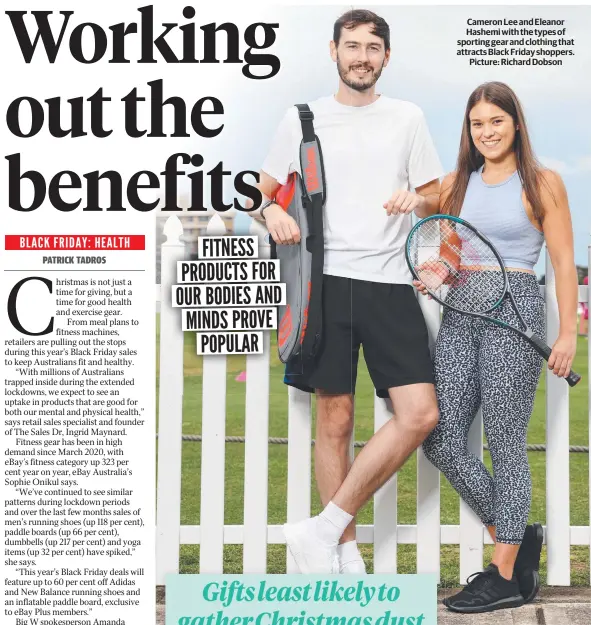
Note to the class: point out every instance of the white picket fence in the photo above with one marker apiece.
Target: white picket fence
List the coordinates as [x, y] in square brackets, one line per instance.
[385, 534]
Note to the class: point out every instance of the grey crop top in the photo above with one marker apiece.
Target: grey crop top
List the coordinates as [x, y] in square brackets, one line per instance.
[498, 212]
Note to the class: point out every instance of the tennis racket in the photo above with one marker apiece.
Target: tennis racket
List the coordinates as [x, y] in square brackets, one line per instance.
[462, 270]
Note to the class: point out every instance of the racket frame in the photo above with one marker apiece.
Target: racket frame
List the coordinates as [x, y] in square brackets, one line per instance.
[527, 333]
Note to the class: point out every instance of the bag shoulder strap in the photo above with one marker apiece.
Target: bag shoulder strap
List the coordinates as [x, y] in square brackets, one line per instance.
[312, 165]
[307, 122]
[314, 182]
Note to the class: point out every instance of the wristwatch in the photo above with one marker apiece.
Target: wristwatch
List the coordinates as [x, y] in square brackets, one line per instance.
[264, 206]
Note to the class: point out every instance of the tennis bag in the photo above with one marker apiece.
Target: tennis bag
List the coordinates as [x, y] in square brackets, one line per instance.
[300, 319]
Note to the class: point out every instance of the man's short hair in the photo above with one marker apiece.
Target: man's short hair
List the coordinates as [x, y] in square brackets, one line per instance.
[356, 17]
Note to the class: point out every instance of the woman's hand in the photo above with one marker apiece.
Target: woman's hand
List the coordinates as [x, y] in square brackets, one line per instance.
[563, 353]
[432, 275]
[420, 287]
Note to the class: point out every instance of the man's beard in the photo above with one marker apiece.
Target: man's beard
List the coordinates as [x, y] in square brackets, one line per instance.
[359, 86]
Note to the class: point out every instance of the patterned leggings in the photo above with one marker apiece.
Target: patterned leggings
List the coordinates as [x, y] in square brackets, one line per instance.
[478, 364]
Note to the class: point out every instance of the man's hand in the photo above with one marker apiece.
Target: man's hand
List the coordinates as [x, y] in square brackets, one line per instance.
[281, 226]
[404, 202]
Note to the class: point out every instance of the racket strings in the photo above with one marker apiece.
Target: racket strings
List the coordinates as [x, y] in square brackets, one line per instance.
[456, 265]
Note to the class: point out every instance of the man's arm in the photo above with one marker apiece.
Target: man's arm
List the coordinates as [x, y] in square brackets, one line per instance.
[268, 187]
[430, 194]
[423, 164]
[424, 202]
[280, 225]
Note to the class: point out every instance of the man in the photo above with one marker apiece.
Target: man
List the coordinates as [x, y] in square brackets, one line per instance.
[374, 148]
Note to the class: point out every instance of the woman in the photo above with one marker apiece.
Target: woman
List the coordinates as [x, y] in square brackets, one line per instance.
[500, 188]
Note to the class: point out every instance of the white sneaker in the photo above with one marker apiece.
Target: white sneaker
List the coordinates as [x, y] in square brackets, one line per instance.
[353, 567]
[309, 552]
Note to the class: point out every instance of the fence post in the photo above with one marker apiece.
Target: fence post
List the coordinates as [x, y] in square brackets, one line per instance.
[256, 448]
[557, 454]
[299, 460]
[213, 447]
[170, 409]
[385, 507]
[428, 477]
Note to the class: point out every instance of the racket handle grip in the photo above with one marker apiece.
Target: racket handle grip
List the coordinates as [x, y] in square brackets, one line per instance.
[540, 346]
[573, 378]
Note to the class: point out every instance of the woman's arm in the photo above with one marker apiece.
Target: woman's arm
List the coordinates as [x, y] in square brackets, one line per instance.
[436, 273]
[446, 185]
[558, 232]
[451, 245]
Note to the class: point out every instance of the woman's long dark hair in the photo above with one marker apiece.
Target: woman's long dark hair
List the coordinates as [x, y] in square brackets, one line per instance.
[470, 159]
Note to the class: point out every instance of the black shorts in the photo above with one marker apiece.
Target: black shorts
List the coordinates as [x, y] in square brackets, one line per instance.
[386, 319]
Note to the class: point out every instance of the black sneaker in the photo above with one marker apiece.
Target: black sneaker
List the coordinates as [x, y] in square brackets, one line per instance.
[527, 563]
[486, 591]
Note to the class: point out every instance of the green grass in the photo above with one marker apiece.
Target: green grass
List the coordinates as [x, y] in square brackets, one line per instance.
[234, 478]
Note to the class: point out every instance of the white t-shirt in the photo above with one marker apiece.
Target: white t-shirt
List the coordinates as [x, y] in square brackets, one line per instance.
[368, 153]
